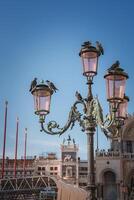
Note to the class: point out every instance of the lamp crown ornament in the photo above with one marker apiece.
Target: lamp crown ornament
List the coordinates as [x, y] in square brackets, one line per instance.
[88, 47]
[116, 68]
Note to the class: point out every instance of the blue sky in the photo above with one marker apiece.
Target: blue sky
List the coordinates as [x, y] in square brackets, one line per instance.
[42, 39]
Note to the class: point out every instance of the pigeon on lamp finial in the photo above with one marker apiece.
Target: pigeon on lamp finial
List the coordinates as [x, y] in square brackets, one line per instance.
[78, 96]
[33, 84]
[51, 86]
[114, 66]
[86, 44]
[99, 47]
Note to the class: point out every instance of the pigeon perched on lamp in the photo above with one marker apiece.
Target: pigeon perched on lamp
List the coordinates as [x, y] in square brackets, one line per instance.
[33, 84]
[78, 96]
[99, 47]
[51, 86]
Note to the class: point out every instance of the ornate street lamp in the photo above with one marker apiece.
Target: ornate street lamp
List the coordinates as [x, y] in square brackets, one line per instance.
[121, 113]
[42, 97]
[92, 112]
[89, 55]
[115, 82]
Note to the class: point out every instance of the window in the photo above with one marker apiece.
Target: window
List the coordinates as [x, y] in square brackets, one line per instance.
[69, 172]
[39, 168]
[43, 168]
[83, 168]
[55, 168]
[51, 168]
[83, 184]
[129, 146]
[83, 174]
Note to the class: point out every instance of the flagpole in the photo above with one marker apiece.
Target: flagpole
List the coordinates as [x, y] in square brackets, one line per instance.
[25, 149]
[4, 141]
[16, 147]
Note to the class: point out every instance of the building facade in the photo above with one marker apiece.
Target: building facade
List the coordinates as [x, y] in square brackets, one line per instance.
[114, 168]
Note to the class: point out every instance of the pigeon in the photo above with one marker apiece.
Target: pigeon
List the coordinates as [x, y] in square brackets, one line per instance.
[51, 86]
[86, 44]
[33, 84]
[78, 96]
[99, 47]
[114, 66]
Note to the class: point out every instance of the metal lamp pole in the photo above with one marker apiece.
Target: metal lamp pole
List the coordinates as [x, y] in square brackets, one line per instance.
[92, 112]
[90, 130]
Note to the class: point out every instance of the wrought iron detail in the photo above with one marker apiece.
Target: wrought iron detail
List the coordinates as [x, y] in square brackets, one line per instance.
[91, 116]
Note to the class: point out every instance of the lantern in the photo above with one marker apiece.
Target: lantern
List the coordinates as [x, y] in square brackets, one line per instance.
[115, 83]
[89, 55]
[122, 109]
[42, 98]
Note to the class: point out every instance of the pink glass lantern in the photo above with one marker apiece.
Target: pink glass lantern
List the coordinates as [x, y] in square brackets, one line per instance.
[42, 98]
[122, 109]
[89, 55]
[115, 83]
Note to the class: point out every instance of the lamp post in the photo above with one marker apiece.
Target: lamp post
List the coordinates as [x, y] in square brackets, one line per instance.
[92, 112]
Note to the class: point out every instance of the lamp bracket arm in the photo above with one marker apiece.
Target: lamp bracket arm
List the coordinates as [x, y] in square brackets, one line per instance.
[107, 125]
[96, 111]
[53, 128]
[109, 120]
[111, 132]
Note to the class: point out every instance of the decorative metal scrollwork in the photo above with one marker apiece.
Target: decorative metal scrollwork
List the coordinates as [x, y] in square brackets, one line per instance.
[91, 116]
[74, 115]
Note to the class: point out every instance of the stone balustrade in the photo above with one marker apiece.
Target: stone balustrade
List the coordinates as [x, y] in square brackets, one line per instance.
[109, 153]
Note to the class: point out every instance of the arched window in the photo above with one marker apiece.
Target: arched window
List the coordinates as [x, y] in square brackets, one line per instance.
[109, 177]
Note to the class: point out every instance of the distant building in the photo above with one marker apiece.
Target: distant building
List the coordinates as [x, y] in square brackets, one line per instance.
[114, 167]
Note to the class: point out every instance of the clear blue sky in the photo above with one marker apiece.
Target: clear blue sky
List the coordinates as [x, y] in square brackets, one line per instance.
[42, 39]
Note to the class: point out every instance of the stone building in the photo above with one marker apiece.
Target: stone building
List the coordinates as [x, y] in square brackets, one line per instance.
[114, 168]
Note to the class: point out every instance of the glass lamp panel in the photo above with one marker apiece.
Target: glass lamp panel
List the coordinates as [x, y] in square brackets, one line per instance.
[42, 100]
[90, 63]
[115, 87]
[122, 110]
